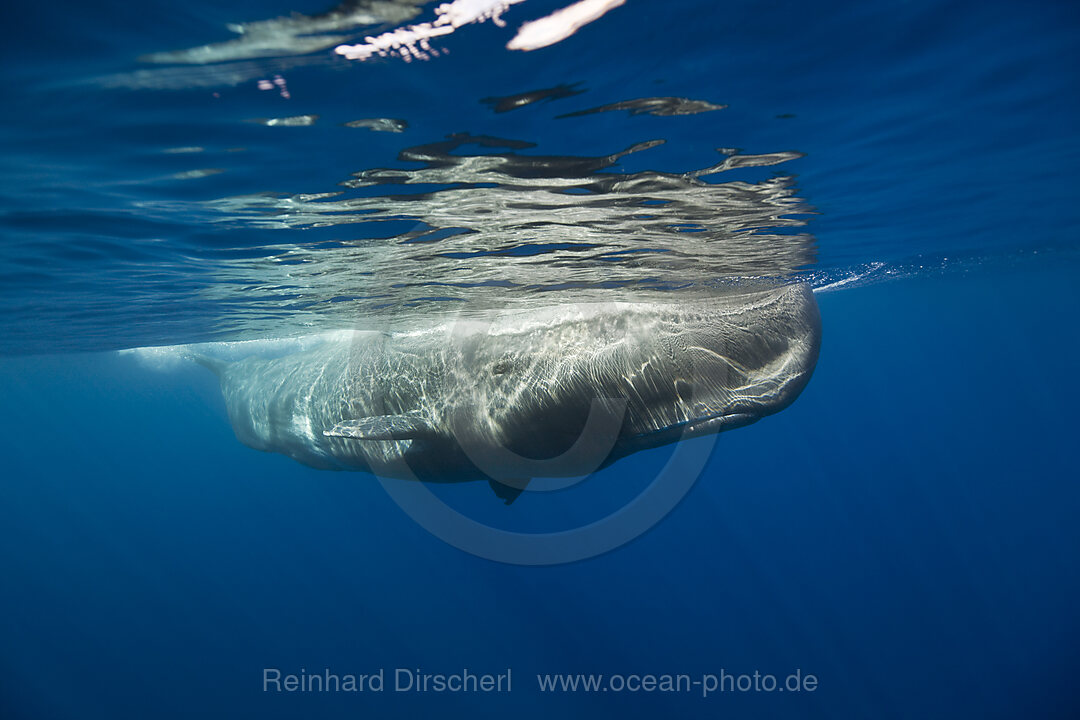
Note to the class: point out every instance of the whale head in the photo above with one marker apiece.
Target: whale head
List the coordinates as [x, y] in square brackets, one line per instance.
[570, 389]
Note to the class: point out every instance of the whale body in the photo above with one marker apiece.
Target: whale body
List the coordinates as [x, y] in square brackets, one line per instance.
[557, 391]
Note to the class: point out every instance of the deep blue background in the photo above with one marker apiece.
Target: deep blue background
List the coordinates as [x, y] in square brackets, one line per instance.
[906, 531]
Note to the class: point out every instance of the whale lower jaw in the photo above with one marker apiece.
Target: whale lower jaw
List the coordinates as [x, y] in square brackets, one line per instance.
[719, 424]
[697, 427]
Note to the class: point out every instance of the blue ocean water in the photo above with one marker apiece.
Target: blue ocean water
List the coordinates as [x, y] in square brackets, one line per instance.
[905, 532]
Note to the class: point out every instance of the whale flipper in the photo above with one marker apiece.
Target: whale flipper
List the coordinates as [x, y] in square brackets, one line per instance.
[383, 427]
[508, 490]
[213, 364]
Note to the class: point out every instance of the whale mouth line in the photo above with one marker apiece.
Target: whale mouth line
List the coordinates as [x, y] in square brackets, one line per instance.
[714, 422]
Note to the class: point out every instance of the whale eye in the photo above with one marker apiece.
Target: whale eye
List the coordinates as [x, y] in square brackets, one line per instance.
[502, 367]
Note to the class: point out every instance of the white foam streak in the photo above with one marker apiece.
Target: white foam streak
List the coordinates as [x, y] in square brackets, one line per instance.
[856, 278]
[413, 41]
[560, 24]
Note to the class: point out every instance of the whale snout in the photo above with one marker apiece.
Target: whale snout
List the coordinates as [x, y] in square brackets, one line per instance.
[798, 321]
[673, 370]
[732, 362]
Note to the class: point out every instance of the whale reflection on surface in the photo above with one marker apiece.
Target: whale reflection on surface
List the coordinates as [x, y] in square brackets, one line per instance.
[466, 232]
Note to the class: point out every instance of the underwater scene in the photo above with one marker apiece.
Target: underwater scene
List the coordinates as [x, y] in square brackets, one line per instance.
[540, 358]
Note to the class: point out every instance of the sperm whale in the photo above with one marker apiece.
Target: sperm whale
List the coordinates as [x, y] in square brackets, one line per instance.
[553, 391]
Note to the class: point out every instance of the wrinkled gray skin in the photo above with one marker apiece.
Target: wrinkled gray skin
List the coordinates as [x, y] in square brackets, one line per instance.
[510, 398]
